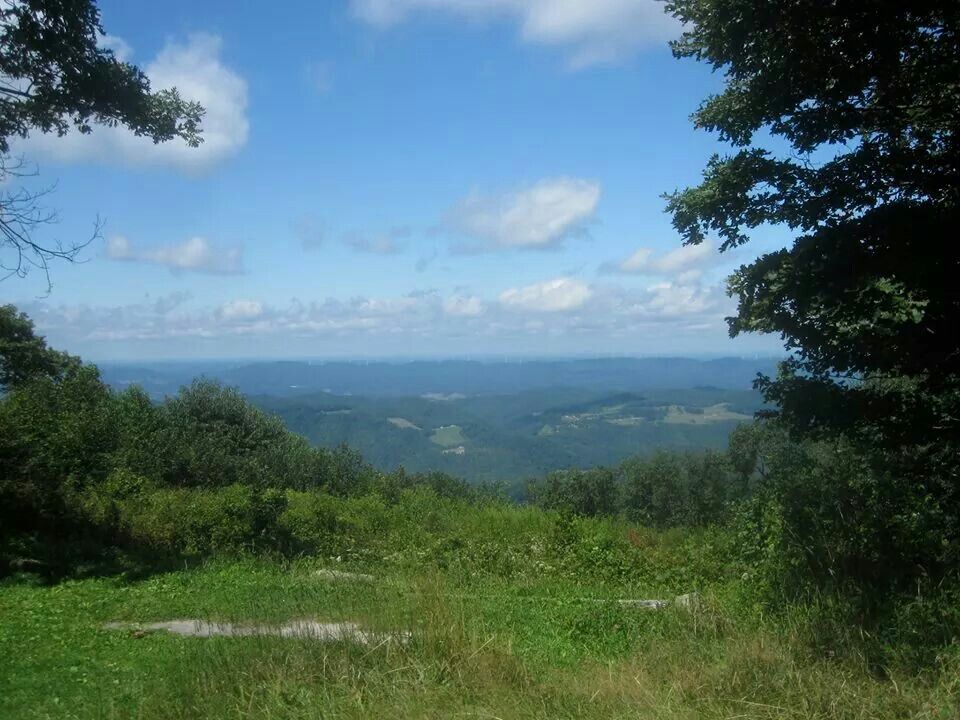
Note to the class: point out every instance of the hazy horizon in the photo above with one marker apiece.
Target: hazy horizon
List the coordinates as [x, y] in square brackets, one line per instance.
[399, 359]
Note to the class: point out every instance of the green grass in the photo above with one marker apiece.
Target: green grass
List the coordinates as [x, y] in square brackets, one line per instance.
[678, 415]
[448, 436]
[512, 613]
[485, 645]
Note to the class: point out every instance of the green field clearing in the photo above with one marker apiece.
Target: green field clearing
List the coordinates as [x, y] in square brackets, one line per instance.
[448, 436]
[710, 414]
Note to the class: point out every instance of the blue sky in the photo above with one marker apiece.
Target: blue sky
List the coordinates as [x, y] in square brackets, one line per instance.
[392, 178]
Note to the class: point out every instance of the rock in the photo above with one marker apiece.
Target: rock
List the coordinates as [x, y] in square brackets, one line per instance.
[303, 629]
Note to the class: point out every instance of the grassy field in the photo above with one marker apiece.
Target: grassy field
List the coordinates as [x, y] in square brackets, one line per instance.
[448, 436]
[497, 631]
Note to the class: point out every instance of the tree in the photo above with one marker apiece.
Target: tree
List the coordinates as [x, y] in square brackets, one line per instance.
[24, 355]
[54, 76]
[859, 104]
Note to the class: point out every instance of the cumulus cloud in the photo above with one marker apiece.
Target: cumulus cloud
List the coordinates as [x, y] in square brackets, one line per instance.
[554, 295]
[118, 46]
[591, 31]
[535, 217]
[196, 254]
[195, 68]
[688, 260]
[668, 301]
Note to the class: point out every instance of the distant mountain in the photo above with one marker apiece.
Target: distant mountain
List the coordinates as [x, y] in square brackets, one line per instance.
[518, 435]
[450, 378]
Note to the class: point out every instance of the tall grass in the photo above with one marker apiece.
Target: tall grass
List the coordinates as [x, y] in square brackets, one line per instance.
[511, 613]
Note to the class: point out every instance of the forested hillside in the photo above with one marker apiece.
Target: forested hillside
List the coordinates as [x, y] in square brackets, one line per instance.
[509, 438]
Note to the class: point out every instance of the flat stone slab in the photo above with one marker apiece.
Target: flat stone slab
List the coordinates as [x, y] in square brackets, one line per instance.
[303, 629]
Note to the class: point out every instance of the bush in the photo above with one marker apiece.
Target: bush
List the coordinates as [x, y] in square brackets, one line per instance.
[57, 434]
[582, 492]
[830, 515]
[310, 522]
[180, 522]
[662, 490]
[211, 436]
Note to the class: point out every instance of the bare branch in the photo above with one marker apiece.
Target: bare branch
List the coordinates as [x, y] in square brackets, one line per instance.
[21, 215]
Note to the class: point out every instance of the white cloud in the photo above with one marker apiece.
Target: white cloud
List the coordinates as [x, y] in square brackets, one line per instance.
[554, 295]
[561, 314]
[198, 73]
[685, 259]
[592, 31]
[463, 306]
[676, 299]
[121, 48]
[241, 310]
[196, 254]
[538, 216]
[671, 302]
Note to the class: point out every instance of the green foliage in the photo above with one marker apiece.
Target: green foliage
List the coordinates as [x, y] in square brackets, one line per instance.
[55, 435]
[311, 523]
[212, 436]
[179, 523]
[508, 438]
[866, 291]
[867, 176]
[56, 75]
[24, 355]
[661, 490]
[584, 492]
[828, 515]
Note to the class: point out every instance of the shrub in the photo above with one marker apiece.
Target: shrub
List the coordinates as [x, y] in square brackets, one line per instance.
[310, 522]
[832, 515]
[211, 436]
[233, 519]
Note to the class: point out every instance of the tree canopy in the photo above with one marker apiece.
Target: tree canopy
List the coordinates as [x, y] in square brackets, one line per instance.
[843, 117]
[25, 355]
[55, 74]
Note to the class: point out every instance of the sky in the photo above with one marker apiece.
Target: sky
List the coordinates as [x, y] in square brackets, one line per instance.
[391, 178]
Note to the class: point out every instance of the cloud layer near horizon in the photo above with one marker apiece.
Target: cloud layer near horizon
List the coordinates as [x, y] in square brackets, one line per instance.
[562, 307]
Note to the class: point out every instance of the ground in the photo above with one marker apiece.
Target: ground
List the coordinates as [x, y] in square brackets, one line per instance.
[534, 645]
